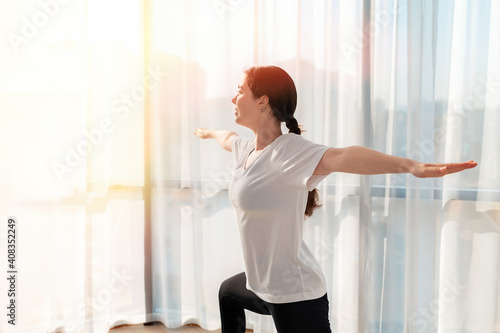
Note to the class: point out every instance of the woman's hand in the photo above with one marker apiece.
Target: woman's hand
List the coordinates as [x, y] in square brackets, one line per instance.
[425, 170]
[203, 133]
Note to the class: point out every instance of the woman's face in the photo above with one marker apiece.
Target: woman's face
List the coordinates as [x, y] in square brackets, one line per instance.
[247, 106]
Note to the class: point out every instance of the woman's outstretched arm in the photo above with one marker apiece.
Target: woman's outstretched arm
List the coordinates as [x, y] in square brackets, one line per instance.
[365, 161]
[224, 138]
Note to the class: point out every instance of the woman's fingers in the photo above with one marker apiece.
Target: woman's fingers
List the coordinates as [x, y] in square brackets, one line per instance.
[455, 167]
[469, 164]
[200, 132]
[441, 169]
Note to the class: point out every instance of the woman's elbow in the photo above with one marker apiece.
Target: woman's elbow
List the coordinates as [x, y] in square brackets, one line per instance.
[327, 163]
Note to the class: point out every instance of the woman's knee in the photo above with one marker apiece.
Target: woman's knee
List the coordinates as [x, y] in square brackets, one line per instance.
[229, 287]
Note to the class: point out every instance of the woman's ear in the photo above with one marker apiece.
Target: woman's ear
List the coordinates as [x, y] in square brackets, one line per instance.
[264, 101]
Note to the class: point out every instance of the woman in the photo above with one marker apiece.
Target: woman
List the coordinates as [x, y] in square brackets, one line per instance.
[272, 190]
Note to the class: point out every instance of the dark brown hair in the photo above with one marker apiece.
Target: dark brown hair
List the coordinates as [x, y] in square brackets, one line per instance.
[278, 86]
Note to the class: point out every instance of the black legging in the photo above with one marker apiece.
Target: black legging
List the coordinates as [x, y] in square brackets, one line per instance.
[296, 317]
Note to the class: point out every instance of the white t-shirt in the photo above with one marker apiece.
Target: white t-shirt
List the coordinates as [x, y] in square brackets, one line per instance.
[269, 198]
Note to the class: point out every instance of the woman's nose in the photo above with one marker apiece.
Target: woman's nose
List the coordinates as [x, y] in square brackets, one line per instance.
[234, 100]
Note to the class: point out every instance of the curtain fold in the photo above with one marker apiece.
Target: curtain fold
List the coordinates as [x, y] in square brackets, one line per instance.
[123, 215]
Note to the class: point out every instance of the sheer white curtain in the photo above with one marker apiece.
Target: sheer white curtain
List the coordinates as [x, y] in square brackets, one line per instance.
[416, 79]
[123, 215]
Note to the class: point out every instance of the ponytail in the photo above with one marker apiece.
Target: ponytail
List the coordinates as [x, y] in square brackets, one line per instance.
[292, 125]
[312, 202]
[278, 86]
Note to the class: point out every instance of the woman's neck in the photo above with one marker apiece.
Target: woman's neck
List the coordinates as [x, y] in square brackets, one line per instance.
[265, 135]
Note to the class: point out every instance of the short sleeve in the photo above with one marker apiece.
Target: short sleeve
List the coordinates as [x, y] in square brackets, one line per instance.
[300, 158]
[239, 146]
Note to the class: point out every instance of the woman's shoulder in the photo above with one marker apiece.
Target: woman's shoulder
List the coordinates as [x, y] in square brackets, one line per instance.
[293, 139]
[242, 143]
[295, 144]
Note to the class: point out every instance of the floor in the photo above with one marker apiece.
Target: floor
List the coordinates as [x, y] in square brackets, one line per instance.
[159, 328]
